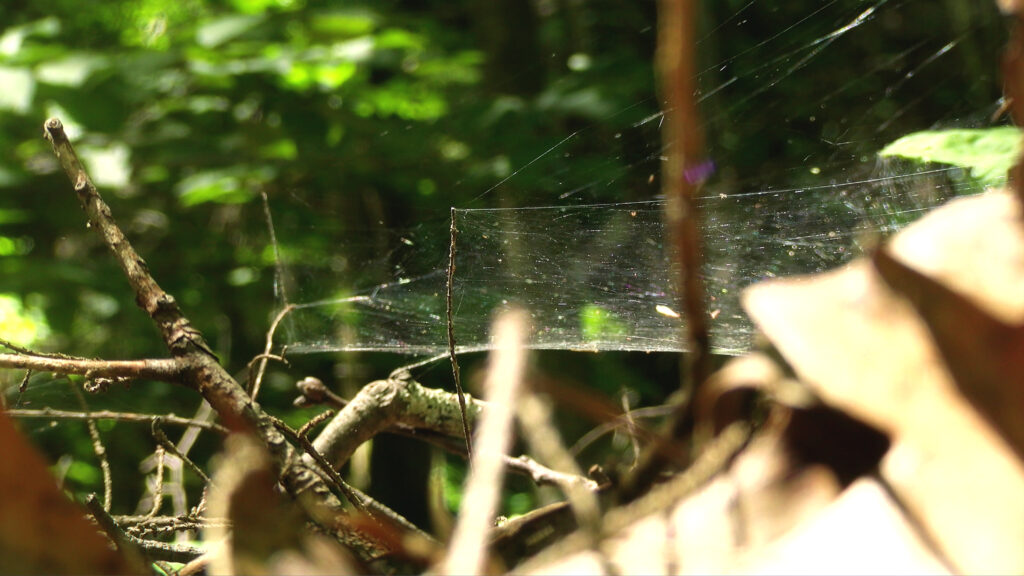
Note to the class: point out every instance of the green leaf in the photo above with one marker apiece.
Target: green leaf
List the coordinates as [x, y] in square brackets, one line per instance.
[987, 153]
[20, 324]
[598, 323]
[235, 186]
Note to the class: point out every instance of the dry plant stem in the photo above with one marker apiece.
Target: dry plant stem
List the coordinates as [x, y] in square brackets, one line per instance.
[162, 369]
[314, 422]
[468, 551]
[98, 449]
[378, 406]
[51, 414]
[21, 350]
[257, 380]
[683, 143]
[450, 313]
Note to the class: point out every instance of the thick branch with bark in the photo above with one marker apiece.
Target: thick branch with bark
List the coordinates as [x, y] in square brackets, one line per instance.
[397, 401]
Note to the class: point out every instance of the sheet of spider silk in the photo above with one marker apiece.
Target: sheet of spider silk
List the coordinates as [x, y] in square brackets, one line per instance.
[598, 277]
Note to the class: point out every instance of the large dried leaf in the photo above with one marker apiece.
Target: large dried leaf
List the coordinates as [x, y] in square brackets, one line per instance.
[866, 350]
[778, 493]
[41, 531]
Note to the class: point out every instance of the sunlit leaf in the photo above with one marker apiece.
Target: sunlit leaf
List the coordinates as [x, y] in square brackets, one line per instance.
[597, 323]
[19, 323]
[235, 186]
[72, 71]
[225, 28]
[110, 166]
[18, 88]
[988, 153]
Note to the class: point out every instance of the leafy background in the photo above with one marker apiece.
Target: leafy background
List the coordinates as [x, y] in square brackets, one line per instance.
[369, 117]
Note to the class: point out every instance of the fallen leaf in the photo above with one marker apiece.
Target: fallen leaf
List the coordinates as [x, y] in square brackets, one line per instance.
[41, 530]
[865, 350]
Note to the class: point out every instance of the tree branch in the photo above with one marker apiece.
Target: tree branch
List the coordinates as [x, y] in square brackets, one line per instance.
[177, 333]
[399, 400]
[51, 414]
[162, 369]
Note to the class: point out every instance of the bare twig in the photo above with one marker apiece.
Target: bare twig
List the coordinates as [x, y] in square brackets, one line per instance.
[315, 392]
[342, 489]
[162, 369]
[450, 313]
[543, 475]
[196, 366]
[468, 551]
[158, 482]
[682, 173]
[315, 421]
[156, 550]
[165, 442]
[178, 333]
[51, 414]
[97, 448]
[624, 420]
[256, 381]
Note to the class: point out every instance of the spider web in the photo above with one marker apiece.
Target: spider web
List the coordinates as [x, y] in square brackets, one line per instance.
[595, 276]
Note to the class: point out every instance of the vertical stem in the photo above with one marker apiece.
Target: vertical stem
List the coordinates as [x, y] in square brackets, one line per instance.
[683, 172]
[449, 288]
[681, 176]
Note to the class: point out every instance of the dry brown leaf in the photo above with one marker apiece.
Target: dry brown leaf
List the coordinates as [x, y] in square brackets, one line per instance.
[866, 351]
[785, 478]
[861, 532]
[41, 531]
[1010, 6]
[984, 356]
